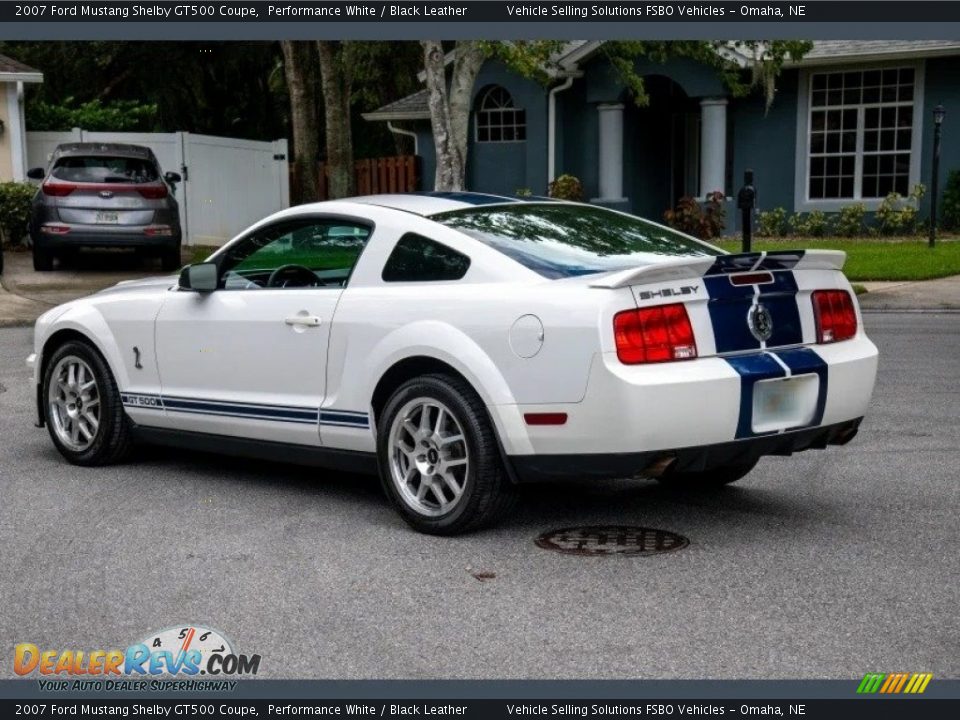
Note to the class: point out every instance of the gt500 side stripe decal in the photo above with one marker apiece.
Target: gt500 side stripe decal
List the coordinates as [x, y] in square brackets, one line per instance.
[251, 411]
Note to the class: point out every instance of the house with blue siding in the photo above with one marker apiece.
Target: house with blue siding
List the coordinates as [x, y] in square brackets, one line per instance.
[850, 122]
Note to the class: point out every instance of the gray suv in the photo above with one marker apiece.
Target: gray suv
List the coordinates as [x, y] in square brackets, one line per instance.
[104, 195]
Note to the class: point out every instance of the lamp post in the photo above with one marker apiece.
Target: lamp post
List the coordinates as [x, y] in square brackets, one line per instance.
[939, 112]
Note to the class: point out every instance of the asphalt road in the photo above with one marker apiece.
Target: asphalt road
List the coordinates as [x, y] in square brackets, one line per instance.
[825, 565]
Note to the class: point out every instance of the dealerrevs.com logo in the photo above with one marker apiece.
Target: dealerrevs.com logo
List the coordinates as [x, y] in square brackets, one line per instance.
[187, 651]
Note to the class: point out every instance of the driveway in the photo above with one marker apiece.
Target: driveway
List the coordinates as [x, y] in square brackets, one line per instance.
[25, 294]
[828, 564]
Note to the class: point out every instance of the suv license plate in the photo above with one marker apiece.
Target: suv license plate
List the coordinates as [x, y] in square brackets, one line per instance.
[107, 218]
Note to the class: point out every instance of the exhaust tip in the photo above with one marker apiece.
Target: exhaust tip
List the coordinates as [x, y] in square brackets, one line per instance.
[659, 467]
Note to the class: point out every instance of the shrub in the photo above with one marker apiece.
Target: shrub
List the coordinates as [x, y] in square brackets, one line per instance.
[704, 221]
[119, 115]
[898, 215]
[950, 216]
[566, 187]
[849, 221]
[524, 192]
[771, 223]
[812, 224]
[15, 202]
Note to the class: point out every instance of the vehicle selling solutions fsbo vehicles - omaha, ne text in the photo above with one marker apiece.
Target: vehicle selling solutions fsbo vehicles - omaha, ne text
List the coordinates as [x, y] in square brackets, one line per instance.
[104, 195]
[461, 343]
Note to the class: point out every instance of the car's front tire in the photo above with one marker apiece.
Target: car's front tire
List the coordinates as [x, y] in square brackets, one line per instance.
[718, 477]
[82, 406]
[439, 460]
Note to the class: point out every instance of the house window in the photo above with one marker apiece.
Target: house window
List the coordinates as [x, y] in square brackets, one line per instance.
[497, 118]
[860, 133]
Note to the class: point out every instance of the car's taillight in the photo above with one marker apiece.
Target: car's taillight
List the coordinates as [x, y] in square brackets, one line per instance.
[55, 228]
[654, 334]
[158, 230]
[153, 192]
[835, 314]
[56, 189]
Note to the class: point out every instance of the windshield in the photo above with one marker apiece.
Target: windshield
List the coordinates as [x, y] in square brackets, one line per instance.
[558, 240]
[105, 169]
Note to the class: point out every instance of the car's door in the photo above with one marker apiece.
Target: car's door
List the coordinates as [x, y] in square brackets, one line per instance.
[249, 359]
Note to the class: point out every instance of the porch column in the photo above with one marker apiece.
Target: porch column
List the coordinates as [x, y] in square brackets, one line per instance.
[611, 152]
[713, 145]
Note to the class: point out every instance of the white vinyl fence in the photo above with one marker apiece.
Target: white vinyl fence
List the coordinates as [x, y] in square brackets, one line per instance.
[228, 184]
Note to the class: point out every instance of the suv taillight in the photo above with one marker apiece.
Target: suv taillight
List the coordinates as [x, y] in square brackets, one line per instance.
[655, 334]
[835, 314]
[57, 189]
[153, 192]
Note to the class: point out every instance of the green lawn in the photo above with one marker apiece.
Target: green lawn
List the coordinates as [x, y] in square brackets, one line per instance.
[871, 259]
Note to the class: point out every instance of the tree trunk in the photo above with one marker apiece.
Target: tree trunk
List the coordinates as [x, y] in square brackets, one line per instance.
[336, 80]
[450, 110]
[299, 65]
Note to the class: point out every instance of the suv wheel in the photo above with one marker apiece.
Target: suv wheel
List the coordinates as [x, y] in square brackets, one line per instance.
[439, 460]
[82, 407]
[42, 259]
[170, 259]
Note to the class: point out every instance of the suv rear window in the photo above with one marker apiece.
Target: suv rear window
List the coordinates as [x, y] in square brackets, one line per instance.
[105, 169]
[558, 240]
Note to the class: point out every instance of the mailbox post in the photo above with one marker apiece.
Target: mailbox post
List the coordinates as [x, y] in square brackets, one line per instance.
[746, 201]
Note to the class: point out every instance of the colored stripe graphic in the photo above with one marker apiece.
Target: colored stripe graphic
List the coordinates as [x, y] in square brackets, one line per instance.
[894, 683]
[247, 411]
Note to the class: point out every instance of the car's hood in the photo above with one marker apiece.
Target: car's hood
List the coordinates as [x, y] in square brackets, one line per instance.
[155, 283]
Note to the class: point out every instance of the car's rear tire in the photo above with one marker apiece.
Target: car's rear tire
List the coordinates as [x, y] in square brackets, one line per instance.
[718, 477]
[82, 407]
[42, 259]
[440, 464]
[170, 259]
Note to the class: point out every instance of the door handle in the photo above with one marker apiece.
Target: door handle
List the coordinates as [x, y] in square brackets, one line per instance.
[303, 320]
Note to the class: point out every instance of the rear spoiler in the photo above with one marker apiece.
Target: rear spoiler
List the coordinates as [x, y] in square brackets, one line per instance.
[695, 267]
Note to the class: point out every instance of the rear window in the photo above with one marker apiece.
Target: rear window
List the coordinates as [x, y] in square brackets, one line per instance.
[105, 169]
[558, 240]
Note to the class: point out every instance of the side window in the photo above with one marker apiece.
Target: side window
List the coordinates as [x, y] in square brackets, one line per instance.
[315, 253]
[419, 259]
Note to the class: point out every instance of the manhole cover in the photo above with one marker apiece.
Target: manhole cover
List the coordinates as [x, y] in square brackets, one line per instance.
[611, 540]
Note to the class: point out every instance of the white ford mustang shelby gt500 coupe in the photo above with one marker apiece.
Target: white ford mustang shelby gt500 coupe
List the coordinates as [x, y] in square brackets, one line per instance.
[460, 343]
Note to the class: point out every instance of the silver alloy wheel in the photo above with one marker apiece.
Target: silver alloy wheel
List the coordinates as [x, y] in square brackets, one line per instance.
[429, 460]
[73, 397]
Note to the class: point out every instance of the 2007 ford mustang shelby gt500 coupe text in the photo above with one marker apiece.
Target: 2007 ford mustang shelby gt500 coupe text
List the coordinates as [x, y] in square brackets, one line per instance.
[460, 343]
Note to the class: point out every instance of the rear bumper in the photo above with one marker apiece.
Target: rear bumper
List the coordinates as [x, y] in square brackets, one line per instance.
[540, 468]
[105, 237]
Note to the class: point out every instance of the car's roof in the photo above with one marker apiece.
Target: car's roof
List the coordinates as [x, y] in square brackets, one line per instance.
[432, 203]
[92, 148]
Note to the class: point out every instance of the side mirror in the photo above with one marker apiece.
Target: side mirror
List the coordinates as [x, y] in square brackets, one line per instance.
[172, 177]
[201, 277]
[37, 173]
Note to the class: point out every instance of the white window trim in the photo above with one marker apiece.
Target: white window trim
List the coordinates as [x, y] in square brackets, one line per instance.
[801, 185]
[480, 110]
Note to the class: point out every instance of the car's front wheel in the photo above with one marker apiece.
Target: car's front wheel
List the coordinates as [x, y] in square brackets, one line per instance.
[82, 406]
[439, 460]
[718, 477]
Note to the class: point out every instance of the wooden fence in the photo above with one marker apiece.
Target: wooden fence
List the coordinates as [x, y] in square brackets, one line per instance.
[396, 174]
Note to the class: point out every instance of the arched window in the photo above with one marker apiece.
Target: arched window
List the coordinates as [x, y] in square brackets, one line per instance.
[497, 118]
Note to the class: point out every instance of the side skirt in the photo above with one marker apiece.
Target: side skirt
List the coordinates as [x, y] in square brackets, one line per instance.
[330, 458]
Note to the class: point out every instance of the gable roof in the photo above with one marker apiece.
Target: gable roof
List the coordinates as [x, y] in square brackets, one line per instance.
[824, 52]
[15, 71]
